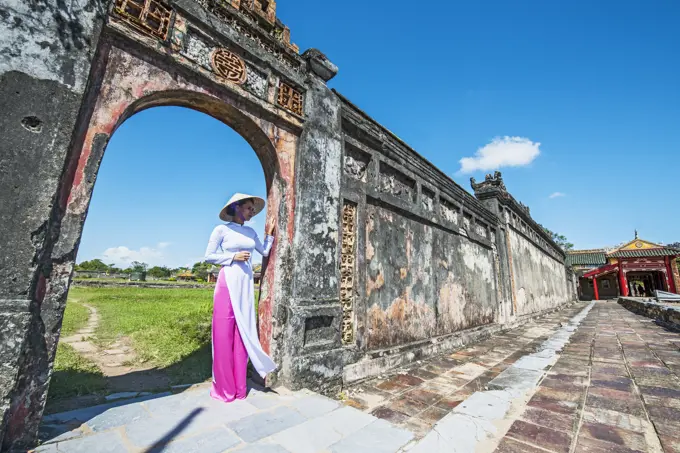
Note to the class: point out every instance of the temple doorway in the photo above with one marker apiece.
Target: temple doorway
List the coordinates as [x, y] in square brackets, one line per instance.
[644, 284]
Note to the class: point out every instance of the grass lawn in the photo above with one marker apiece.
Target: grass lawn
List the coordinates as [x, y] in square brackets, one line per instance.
[74, 375]
[75, 317]
[168, 328]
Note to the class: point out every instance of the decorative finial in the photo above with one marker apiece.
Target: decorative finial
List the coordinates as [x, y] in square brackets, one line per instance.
[636, 234]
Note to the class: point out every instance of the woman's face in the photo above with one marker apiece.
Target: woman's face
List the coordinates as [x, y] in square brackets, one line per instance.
[246, 211]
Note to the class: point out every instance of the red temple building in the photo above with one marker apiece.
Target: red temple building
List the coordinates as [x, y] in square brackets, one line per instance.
[637, 269]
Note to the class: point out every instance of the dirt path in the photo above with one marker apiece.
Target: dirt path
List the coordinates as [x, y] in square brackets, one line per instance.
[118, 363]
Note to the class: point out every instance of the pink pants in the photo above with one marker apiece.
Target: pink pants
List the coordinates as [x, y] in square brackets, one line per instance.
[230, 358]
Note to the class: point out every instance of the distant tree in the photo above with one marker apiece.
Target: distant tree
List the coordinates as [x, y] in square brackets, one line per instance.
[200, 270]
[675, 245]
[95, 265]
[559, 239]
[137, 266]
[159, 272]
[257, 268]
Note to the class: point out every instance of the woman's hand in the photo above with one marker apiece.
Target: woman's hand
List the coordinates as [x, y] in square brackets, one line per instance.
[242, 256]
[270, 230]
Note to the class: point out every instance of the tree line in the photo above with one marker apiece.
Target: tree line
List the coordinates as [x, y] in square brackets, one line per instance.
[198, 270]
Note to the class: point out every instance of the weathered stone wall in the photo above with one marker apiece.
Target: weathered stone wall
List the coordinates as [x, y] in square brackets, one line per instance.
[45, 52]
[540, 280]
[666, 315]
[424, 261]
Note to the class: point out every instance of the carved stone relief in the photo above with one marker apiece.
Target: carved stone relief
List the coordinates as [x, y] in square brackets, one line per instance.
[348, 270]
[201, 52]
[395, 183]
[150, 17]
[198, 51]
[228, 66]
[480, 229]
[356, 164]
[290, 98]
[448, 211]
[427, 199]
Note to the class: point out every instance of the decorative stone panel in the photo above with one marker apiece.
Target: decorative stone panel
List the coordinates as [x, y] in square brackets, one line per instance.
[395, 183]
[228, 66]
[427, 199]
[448, 211]
[290, 98]
[150, 17]
[356, 163]
[348, 270]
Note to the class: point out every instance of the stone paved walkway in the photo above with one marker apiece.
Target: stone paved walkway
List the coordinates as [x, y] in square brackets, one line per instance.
[591, 378]
[616, 388]
[419, 396]
[193, 422]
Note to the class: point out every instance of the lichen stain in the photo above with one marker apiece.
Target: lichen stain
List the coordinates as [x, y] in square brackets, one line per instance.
[476, 259]
[372, 285]
[370, 226]
[457, 309]
[402, 322]
[403, 273]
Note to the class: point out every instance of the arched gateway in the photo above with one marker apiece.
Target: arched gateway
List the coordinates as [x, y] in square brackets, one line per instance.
[381, 259]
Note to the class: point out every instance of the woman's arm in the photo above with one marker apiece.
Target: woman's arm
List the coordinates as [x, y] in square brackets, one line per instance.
[212, 255]
[265, 248]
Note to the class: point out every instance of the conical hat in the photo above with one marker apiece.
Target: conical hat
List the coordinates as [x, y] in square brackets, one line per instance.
[257, 202]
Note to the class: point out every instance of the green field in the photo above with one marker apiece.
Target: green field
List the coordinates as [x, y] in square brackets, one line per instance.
[169, 329]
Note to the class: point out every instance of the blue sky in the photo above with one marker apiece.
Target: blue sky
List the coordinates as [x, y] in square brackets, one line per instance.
[587, 93]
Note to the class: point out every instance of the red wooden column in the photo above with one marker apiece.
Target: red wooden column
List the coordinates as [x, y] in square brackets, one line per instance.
[622, 281]
[597, 294]
[669, 275]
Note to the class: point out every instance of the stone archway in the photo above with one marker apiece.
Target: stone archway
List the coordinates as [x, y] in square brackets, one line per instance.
[224, 65]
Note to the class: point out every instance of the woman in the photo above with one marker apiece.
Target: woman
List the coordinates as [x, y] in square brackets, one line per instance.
[234, 326]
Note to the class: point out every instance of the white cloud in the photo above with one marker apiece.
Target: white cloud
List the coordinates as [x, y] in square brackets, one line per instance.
[557, 194]
[501, 152]
[122, 256]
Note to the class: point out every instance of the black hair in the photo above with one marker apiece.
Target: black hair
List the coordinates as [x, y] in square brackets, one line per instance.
[231, 207]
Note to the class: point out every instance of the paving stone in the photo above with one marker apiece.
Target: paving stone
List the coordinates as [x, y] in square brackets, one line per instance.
[616, 383]
[308, 437]
[108, 442]
[616, 419]
[455, 433]
[665, 414]
[549, 419]
[432, 415]
[562, 407]
[213, 441]
[418, 427]
[562, 395]
[628, 405]
[120, 395]
[188, 421]
[515, 378]
[613, 435]
[423, 396]
[390, 415]
[347, 420]
[407, 406]
[378, 437]
[449, 403]
[258, 426]
[490, 405]
[314, 405]
[117, 416]
[540, 436]
[260, 447]
[509, 445]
